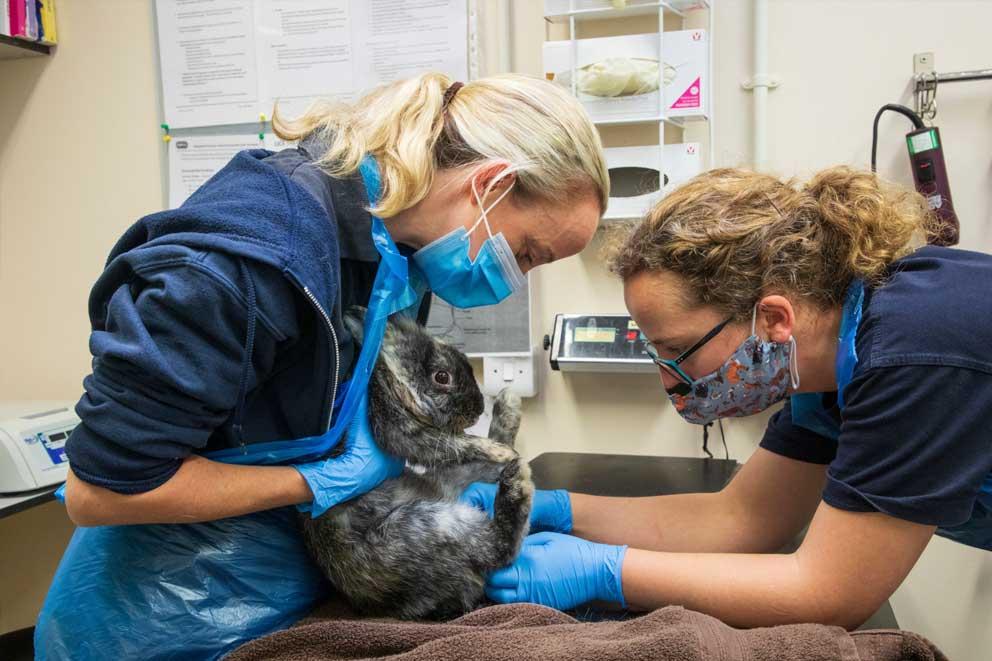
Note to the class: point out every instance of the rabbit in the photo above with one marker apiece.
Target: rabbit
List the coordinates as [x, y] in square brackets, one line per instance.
[408, 548]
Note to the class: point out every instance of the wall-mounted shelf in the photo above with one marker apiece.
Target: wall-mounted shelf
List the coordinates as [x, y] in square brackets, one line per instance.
[635, 8]
[12, 47]
[640, 171]
[674, 121]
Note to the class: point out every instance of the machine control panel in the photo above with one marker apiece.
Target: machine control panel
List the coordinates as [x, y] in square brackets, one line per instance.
[53, 442]
[598, 343]
[32, 445]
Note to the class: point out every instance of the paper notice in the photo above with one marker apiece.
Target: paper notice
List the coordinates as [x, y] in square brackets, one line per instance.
[207, 52]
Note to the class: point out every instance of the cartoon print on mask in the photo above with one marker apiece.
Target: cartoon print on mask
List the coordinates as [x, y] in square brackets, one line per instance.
[755, 377]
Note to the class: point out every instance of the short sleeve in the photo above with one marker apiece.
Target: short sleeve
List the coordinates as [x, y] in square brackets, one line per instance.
[794, 442]
[914, 443]
[166, 372]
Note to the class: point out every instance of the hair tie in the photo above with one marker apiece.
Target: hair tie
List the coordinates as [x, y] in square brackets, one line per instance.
[449, 94]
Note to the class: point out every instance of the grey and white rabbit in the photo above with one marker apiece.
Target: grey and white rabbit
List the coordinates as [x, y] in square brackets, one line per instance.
[408, 548]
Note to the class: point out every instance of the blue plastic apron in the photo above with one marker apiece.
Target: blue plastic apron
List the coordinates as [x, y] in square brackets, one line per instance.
[809, 412]
[198, 591]
[392, 292]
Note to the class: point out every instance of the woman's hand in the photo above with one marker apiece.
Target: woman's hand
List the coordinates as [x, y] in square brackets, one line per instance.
[361, 468]
[550, 510]
[560, 571]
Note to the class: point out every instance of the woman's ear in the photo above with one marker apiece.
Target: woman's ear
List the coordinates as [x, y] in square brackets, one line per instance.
[493, 178]
[776, 318]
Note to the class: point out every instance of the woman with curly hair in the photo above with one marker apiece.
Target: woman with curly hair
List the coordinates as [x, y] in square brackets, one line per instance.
[753, 291]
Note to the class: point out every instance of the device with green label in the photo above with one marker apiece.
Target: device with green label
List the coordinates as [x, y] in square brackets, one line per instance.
[930, 176]
[926, 156]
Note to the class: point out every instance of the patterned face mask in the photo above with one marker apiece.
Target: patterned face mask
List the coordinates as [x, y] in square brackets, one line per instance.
[756, 376]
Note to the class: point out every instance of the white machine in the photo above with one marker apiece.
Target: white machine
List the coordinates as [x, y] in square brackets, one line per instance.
[598, 343]
[32, 444]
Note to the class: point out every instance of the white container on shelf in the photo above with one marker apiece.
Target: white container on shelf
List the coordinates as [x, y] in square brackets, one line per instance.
[618, 78]
[635, 180]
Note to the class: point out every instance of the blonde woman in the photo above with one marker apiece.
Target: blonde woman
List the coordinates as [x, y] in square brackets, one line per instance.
[753, 291]
[218, 325]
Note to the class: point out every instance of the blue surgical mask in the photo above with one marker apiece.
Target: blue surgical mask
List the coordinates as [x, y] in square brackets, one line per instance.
[466, 283]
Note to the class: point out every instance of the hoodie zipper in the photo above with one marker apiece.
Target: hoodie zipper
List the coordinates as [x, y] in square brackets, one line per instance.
[336, 350]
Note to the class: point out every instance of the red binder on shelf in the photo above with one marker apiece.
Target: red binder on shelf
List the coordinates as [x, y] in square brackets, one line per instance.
[18, 17]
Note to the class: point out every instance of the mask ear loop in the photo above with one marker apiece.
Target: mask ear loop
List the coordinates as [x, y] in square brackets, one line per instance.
[485, 210]
[794, 363]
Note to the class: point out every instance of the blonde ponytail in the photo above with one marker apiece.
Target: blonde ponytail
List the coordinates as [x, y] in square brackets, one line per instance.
[540, 131]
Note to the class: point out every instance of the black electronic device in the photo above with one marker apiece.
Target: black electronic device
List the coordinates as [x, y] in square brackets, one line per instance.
[926, 157]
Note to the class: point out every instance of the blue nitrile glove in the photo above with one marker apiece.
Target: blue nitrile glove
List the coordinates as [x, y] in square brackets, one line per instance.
[361, 468]
[550, 510]
[560, 571]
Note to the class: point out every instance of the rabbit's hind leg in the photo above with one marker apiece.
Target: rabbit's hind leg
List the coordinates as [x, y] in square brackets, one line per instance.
[511, 519]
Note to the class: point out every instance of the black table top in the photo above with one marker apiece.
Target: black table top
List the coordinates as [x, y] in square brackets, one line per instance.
[14, 503]
[636, 475]
[629, 475]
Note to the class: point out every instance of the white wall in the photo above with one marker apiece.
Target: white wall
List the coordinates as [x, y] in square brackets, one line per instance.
[840, 61]
[81, 158]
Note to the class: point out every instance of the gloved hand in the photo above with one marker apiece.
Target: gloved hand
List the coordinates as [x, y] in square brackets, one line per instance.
[361, 468]
[560, 571]
[550, 510]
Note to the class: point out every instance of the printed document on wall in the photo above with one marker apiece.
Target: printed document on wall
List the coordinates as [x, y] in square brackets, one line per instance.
[304, 53]
[493, 329]
[194, 159]
[207, 52]
[230, 61]
[401, 38]
[338, 49]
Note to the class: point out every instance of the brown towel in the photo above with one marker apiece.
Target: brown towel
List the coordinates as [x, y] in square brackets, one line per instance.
[524, 631]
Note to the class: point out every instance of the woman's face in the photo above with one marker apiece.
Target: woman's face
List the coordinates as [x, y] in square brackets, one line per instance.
[656, 301]
[540, 232]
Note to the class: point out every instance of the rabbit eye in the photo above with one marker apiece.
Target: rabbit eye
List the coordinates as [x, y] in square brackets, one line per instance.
[441, 377]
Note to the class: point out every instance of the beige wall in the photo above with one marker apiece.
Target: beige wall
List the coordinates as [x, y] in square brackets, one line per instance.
[839, 61]
[81, 158]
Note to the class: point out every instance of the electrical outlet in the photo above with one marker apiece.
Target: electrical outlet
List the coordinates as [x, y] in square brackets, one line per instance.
[518, 373]
[923, 63]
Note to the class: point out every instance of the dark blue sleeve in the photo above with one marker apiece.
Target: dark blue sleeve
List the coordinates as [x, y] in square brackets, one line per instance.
[167, 367]
[786, 439]
[914, 444]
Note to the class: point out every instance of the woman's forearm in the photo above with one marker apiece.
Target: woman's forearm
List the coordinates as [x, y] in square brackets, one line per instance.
[201, 490]
[743, 590]
[698, 522]
[847, 566]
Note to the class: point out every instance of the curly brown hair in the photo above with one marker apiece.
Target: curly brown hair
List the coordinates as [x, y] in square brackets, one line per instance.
[735, 235]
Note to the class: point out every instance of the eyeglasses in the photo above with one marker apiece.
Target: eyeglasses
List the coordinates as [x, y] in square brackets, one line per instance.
[671, 366]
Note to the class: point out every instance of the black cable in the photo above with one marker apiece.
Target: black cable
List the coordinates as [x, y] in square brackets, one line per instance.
[895, 107]
[706, 439]
[723, 436]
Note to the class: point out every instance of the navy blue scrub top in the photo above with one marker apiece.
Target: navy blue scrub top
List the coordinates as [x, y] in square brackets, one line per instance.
[914, 436]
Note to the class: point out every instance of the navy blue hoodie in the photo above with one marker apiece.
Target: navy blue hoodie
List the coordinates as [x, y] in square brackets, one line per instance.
[219, 323]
